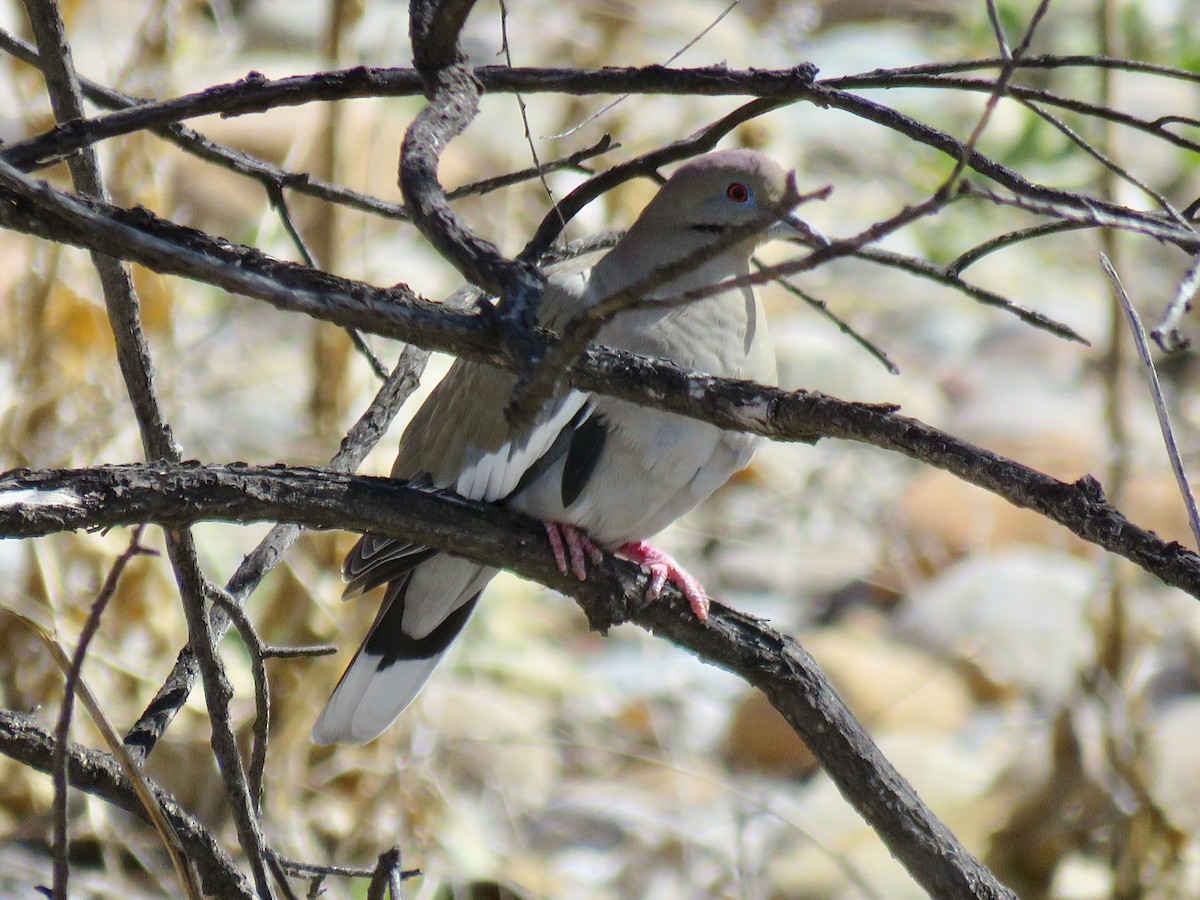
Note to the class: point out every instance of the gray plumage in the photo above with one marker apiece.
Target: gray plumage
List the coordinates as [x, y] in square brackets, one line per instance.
[617, 471]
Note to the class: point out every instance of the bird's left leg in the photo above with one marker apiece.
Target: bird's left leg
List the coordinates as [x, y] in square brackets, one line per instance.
[569, 542]
[662, 569]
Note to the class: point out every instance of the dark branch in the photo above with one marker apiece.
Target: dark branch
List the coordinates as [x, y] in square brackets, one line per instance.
[612, 595]
[365, 433]
[100, 774]
[257, 93]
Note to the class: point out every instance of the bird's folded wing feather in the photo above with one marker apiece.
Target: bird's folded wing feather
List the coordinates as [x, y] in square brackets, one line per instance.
[460, 440]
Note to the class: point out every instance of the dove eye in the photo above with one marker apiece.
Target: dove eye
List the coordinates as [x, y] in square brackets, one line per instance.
[737, 192]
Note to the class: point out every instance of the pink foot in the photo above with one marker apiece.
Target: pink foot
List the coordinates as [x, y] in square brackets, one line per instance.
[567, 541]
[663, 568]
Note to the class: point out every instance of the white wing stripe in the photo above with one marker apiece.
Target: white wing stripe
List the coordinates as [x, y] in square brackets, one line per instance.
[494, 475]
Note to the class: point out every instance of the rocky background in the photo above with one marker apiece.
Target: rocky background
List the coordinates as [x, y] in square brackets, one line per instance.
[1043, 697]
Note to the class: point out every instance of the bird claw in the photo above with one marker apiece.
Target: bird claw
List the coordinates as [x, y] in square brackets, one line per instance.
[573, 549]
[570, 544]
[663, 568]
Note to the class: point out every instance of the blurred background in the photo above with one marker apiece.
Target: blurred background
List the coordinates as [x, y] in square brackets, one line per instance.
[1043, 697]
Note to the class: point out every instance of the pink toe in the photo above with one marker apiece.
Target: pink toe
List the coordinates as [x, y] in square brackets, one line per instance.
[663, 568]
[572, 549]
[556, 546]
[575, 542]
[658, 577]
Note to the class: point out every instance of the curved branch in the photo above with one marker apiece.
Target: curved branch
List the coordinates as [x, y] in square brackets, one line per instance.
[772, 412]
[100, 774]
[257, 93]
[453, 93]
[774, 87]
[39, 502]
[1026, 95]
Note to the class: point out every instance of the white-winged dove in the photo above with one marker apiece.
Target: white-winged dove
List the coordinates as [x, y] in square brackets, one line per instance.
[599, 471]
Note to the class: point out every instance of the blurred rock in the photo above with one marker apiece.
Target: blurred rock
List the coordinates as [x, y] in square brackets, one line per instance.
[889, 687]
[838, 857]
[1176, 763]
[1051, 798]
[1015, 619]
[944, 518]
[483, 735]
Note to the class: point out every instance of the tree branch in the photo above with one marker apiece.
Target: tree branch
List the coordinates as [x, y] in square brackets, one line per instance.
[100, 774]
[43, 502]
[365, 434]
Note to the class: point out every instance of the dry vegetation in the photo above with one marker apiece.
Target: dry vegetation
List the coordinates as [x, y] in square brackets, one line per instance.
[1041, 693]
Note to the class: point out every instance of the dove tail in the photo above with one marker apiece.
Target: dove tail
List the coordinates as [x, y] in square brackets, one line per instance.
[421, 615]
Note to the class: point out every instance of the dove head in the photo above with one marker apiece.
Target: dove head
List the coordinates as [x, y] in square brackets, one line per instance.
[714, 192]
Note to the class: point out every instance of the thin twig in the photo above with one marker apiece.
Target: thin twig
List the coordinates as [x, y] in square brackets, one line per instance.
[674, 56]
[881, 80]
[949, 276]
[143, 797]
[218, 694]
[826, 252]
[262, 692]
[946, 275]
[1091, 216]
[1109, 164]
[280, 205]
[1009, 239]
[822, 309]
[506, 49]
[359, 440]
[1006, 54]
[62, 729]
[1160, 406]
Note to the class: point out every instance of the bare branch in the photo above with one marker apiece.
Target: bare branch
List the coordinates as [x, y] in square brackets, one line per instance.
[1009, 239]
[949, 277]
[365, 433]
[256, 93]
[453, 92]
[1160, 406]
[30, 507]
[823, 310]
[101, 775]
[613, 594]
[262, 692]
[1024, 94]
[62, 728]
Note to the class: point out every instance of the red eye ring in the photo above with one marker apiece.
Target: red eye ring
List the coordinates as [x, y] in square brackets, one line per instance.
[737, 192]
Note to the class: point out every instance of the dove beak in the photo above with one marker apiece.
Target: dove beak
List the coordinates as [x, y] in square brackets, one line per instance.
[790, 228]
